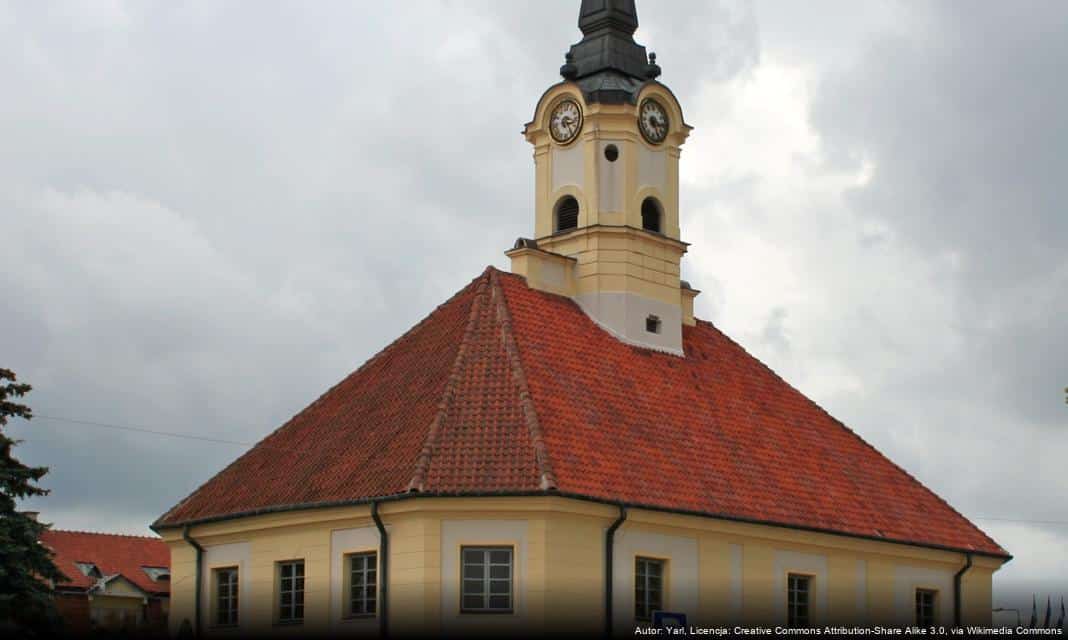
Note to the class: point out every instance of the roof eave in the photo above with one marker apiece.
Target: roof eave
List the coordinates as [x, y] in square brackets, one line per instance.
[159, 527]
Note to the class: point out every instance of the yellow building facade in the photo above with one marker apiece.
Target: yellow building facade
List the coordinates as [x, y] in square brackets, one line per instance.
[530, 483]
[721, 573]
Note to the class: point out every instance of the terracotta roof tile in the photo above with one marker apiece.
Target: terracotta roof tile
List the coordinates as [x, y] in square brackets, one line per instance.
[508, 389]
[112, 554]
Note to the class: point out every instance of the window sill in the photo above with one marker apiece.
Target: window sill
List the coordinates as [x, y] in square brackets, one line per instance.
[361, 616]
[288, 623]
[501, 612]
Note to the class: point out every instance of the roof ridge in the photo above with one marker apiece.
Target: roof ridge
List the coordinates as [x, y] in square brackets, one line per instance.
[547, 479]
[105, 533]
[852, 432]
[422, 462]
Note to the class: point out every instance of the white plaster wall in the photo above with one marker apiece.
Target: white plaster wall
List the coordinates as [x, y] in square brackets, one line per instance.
[610, 177]
[907, 579]
[457, 533]
[567, 167]
[652, 168]
[342, 542]
[736, 581]
[815, 565]
[623, 315]
[226, 555]
[681, 554]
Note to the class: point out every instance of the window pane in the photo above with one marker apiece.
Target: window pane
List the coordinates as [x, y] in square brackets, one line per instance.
[648, 585]
[486, 571]
[472, 556]
[500, 572]
[287, 570]
[472, 602]
[797, 601]
[500, 602]
[473, 587]
[298, 568]
[501, 556]
[474, 571]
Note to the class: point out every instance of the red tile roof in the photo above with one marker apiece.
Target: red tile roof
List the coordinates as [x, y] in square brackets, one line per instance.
[112, 554]
[506, 389]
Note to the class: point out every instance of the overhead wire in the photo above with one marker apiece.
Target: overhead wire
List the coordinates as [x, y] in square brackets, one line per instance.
[186, 436]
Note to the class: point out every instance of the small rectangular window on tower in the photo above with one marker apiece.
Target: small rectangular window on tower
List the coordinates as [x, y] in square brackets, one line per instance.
[652, 324]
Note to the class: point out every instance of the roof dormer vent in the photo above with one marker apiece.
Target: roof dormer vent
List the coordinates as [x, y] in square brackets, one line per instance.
[89, 569]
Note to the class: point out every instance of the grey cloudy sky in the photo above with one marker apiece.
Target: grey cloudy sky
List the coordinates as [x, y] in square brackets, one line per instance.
[213, 211]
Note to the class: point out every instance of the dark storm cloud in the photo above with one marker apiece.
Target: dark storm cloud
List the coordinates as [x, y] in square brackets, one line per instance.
[965, 125]
[963, 122]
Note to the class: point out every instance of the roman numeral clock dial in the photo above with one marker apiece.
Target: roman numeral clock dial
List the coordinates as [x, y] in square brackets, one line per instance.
[653, 121]
[565, 121]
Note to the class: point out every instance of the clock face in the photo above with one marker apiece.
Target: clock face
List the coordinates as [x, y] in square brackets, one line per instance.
[565, 121]
[653, 121]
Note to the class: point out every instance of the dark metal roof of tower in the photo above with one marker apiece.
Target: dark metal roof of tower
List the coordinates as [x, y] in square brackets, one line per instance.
[607, 63]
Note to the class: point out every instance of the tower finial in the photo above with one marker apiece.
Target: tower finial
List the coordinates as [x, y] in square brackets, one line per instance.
[607, 50]
[615, 15]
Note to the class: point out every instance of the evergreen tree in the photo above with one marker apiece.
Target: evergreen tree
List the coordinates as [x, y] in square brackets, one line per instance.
[26, 568]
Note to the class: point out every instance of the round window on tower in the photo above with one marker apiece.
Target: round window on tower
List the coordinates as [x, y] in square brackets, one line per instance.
[651, 215]
[611, 153]
[567, 210]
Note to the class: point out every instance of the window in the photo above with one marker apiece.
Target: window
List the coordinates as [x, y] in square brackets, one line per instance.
[648, 587]
[651, 215]
[652, 324]
[611, 153]
[157, 573]
[88, 569]
[291, 591]
[567, 211]
[797, 600]
[925, 607]
[226, 596]
[363, 584]
[487, 580]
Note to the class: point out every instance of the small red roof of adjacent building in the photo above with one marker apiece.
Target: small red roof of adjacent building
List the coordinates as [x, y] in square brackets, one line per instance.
[111, 554]
[504, 389]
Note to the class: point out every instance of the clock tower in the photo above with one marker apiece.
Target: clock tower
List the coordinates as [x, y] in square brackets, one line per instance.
[606, 143]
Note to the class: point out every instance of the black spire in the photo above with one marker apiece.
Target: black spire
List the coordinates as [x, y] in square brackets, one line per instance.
[607, 63]
[619, 15]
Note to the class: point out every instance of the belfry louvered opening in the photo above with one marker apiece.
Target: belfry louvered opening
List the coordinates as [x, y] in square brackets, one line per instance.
[567, 211]
[651, 215]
